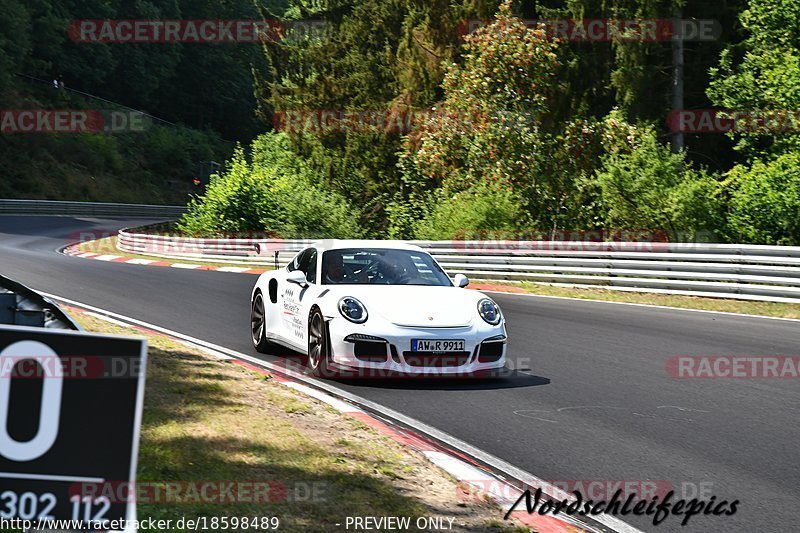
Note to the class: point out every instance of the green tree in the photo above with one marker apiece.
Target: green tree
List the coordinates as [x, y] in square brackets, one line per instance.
[765, 202]
[211, 85]
[763, 74]
[649, 188]
[15, 42]
[377, 55]
[487, 129]
[638, 76]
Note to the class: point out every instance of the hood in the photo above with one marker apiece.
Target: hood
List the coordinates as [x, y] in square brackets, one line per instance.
[416, 306]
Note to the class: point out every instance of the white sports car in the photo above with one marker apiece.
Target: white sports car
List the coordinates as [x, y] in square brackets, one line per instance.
[377, 308]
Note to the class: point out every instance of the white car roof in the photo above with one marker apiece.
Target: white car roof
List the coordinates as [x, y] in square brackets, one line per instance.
[339, 244]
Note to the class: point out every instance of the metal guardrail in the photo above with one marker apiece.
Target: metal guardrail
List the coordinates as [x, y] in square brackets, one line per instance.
[50, 207]
[750, 272]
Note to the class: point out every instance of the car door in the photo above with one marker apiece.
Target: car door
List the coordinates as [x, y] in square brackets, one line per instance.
[308, 296]
[288, 301]
[297, 300]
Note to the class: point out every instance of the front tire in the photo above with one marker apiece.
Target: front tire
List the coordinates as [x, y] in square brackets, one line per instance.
[318, 345]
[258, 324]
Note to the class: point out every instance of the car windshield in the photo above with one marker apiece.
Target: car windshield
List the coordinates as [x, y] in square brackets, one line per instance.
[381, 267]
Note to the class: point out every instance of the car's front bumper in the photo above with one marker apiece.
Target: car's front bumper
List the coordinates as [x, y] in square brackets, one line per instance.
[484, 349]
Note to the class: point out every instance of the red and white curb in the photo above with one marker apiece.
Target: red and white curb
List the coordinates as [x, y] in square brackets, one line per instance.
[460, 460]
[75, 251]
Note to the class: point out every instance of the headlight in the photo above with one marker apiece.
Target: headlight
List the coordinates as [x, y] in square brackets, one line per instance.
[489, 311]
[353, 310]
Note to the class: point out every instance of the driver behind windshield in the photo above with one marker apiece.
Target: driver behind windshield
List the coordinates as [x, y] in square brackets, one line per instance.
[393, 270]
[359, 266]
[335, 271]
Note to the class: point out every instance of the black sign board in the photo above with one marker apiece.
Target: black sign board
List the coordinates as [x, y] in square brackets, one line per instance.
[70, 414]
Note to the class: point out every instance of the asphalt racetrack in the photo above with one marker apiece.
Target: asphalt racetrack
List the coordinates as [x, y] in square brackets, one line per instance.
[589, 398]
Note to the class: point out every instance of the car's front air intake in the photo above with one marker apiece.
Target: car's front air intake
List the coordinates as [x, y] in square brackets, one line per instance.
[370, 351]
[436, 360]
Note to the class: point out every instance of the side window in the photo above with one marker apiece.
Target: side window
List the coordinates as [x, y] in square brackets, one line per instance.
[298, 261]
[309, 266]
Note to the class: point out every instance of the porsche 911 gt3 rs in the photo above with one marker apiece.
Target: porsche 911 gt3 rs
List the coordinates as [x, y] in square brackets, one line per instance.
[377, 308]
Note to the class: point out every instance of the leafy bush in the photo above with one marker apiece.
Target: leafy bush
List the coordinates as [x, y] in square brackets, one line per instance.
[652, 189]
[403, 214]
[237, 200]
[275, 193]
[483, 207]
[311, 212]
[765, 202]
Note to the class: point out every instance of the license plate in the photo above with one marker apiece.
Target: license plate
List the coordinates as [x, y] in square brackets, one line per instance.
[437, 345]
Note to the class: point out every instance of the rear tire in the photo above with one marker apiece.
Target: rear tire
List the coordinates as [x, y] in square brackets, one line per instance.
[258, 324]
[318, 346]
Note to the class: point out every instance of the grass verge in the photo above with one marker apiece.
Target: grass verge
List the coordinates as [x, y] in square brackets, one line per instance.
[774, 309]
[211, 420]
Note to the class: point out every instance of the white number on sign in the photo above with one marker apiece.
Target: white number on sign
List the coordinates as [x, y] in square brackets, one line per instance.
[88, 503]
[50, 413]
[27, 506]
